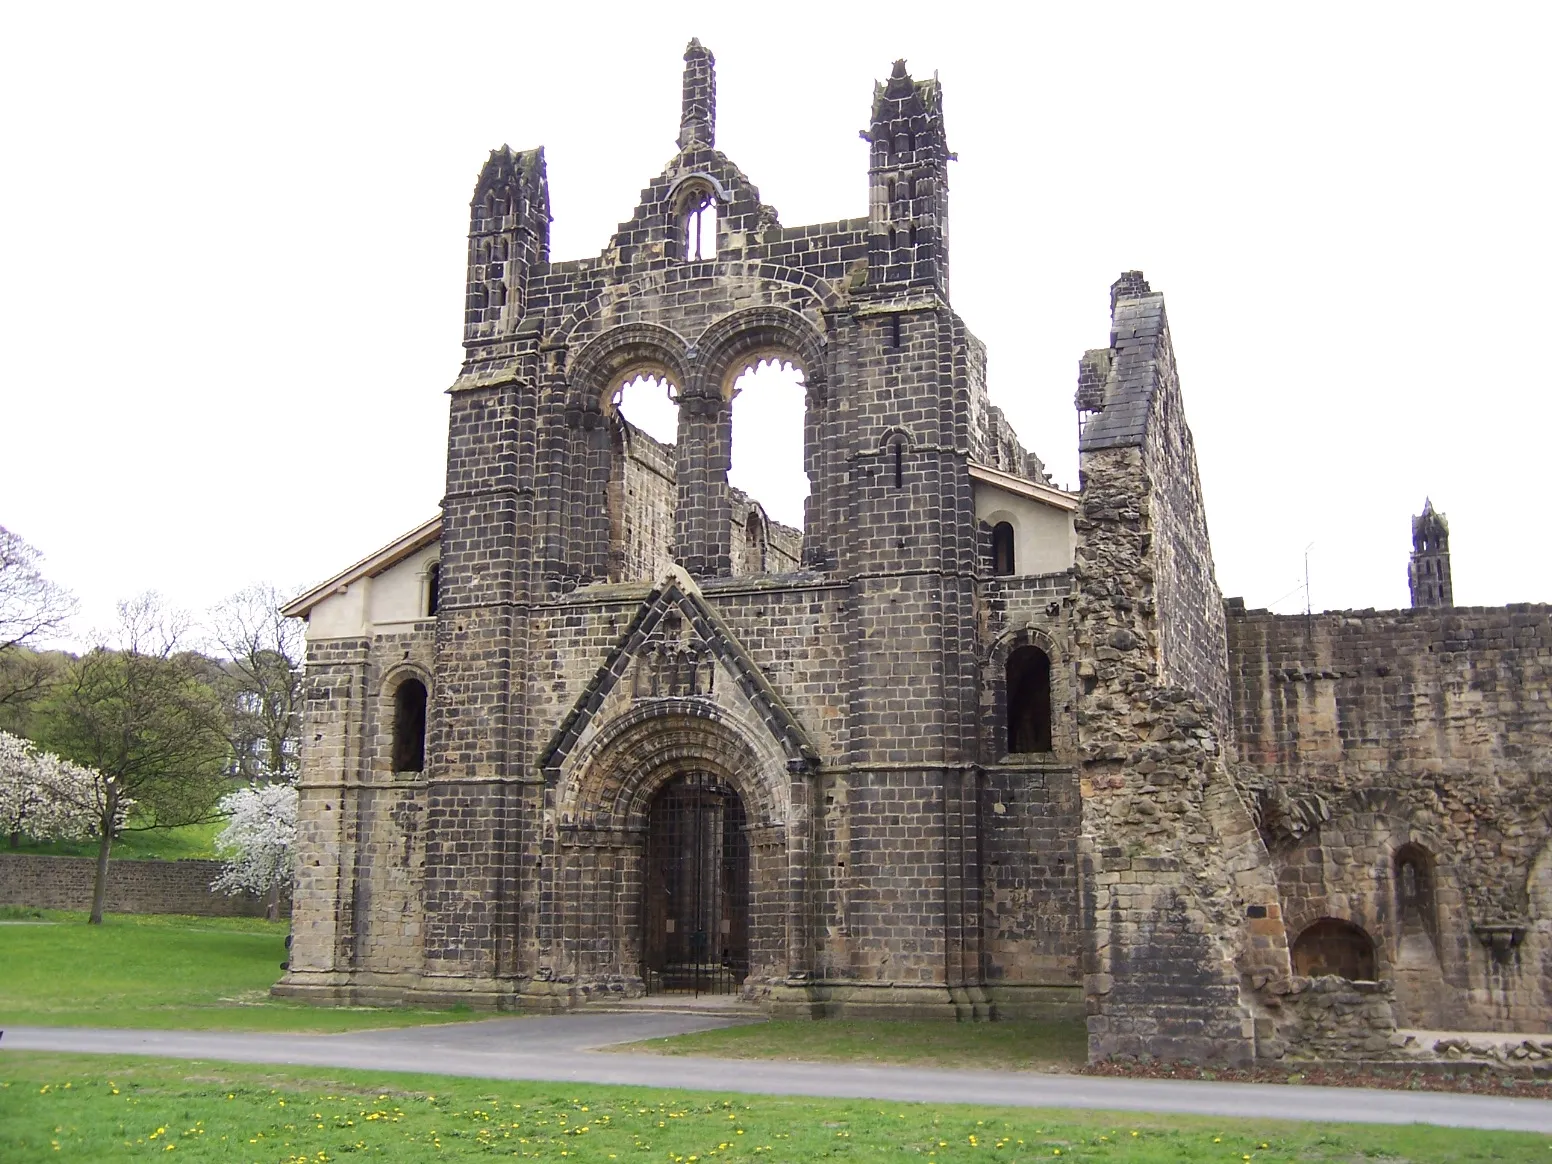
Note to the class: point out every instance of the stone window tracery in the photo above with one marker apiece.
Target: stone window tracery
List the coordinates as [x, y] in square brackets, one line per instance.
[700, 227]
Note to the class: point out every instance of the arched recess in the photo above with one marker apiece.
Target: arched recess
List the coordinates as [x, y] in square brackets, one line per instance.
[732, 346]
[603, 810]
[998, 711]
[403, 717]
[601, 540]
[1333, 946]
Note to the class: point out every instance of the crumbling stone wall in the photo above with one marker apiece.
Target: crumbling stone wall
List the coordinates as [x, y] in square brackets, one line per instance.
[1365, 732]
[1182, 909]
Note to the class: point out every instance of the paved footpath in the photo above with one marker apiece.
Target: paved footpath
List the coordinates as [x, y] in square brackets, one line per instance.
[563, 1049]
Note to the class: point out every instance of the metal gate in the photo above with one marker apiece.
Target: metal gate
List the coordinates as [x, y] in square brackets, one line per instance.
[696, 911]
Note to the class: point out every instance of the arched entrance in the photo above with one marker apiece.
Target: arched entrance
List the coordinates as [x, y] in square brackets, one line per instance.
[695, 912]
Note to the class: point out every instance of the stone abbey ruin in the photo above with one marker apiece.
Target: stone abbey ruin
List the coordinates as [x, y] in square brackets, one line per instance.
[966, 745]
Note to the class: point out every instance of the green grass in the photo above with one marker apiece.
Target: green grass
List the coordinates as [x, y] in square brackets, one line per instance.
[183, 843]
[1013, 1046]
[90, 1107]
[163, 971]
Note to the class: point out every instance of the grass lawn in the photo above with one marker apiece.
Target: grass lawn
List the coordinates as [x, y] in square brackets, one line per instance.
[92, 1107]
[197, 840]
[145, 970]
[1015, 1046]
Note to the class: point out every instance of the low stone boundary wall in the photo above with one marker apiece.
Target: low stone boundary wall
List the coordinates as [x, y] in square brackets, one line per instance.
[41, 882]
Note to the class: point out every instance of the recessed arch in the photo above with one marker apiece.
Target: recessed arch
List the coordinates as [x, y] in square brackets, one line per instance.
[1004, 544]
[1332, 945]
[613, 784]
[410, 701]
[621, 354]
[1028, 684]
[737, 343]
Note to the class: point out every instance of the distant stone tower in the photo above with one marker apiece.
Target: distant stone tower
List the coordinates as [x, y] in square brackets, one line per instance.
[1429, 570]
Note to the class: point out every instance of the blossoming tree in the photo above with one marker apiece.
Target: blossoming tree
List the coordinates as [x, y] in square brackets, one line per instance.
[258, 844]
[48, 798]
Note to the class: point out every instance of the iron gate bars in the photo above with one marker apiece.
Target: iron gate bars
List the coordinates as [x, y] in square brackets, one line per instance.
[696, 911]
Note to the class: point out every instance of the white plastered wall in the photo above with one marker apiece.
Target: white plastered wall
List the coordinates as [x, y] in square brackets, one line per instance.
[396, 595]
[1044, 541]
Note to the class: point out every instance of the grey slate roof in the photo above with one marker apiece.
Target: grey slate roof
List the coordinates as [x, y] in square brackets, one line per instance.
[1137, 327]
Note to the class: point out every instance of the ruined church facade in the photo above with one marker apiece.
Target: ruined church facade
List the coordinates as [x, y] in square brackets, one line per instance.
[966, 745]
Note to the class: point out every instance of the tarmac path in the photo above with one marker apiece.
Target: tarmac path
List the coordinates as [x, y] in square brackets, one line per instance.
[562, 1048]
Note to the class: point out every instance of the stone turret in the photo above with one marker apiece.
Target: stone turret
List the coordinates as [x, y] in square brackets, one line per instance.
[908, 183]
[1428, 573]
[698, 114]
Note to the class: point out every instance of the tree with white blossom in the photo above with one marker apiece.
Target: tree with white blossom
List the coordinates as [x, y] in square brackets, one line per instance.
[48, 798]
[258, 844]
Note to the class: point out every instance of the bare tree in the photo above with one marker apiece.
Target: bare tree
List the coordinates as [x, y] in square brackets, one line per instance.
[139, 712]
[264, 653]
[32, 610]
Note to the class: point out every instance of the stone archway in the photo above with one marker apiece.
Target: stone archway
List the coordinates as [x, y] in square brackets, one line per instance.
[674, 816]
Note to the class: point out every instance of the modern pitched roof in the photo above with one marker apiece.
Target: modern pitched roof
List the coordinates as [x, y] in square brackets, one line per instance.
[375, 563]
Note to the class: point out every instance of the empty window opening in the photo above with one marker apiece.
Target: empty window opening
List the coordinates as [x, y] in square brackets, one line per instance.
[769, 402]
[913, 234]
[899, 464]
[1029, 700]
[647, 402]
[1415, 888]
[409, 727]
[700, 228]
[894, 331]
[1002, 549]
[1333, 946]
[433, 587]
[891, 238]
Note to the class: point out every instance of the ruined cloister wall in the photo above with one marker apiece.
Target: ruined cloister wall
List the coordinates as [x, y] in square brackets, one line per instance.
[1369, 730]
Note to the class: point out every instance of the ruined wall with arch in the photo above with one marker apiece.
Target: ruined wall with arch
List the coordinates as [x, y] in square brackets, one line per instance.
[1369, 735]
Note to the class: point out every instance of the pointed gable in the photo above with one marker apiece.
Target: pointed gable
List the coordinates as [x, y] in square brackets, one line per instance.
[678, 648]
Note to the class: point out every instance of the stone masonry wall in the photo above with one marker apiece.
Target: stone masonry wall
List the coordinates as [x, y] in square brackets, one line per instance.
[42, 882]
[1365, 732]
[1180, 903]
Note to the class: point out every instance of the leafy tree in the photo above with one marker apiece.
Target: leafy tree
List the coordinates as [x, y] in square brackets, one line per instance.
[264, 649]
[139, 713]
[32, 610]
[46, 797]
[258, 844]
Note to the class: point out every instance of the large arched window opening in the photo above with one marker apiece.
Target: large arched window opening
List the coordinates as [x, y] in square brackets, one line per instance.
[1333, 946]
[766, 458]
[695, 908]
[1002, 549]
[409, 727]
[648, 402]
[1029, 700]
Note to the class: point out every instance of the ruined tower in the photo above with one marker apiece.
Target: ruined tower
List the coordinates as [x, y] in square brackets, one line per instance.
[1428, 573]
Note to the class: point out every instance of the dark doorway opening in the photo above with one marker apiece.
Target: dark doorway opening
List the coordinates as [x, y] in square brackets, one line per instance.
[409, 727]
[696, 912]
[1029, 700]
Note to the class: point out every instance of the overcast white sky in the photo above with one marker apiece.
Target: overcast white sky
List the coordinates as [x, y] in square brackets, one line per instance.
[233, 253]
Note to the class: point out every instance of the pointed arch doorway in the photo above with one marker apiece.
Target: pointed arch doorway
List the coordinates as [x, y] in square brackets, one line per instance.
[695, 909]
